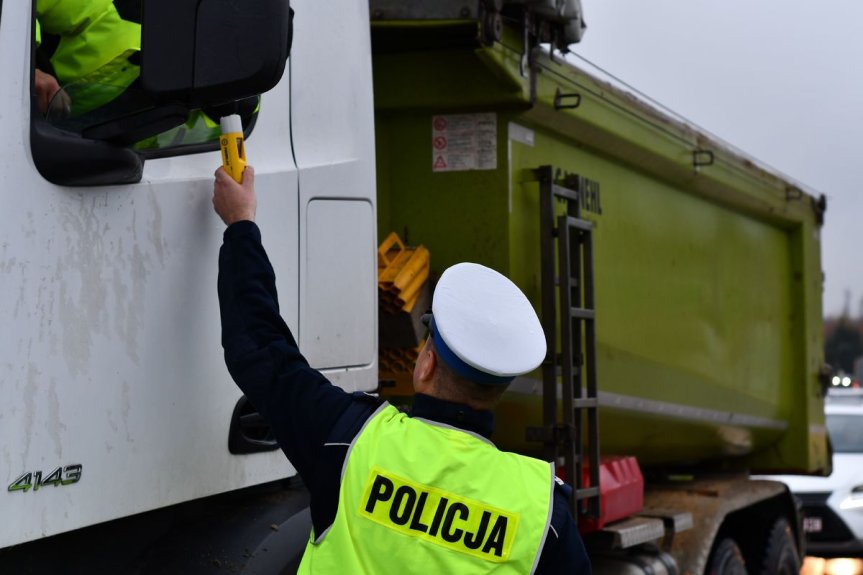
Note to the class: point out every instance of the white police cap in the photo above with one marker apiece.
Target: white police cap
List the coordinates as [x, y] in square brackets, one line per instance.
[483, 326]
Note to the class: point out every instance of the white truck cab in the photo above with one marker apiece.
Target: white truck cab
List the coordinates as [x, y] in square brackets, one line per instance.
[116, 399]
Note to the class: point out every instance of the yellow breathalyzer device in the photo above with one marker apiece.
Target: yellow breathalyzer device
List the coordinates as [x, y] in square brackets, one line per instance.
[233, 148]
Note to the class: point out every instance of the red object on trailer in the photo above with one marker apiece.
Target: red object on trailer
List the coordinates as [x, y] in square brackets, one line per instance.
[621, 491]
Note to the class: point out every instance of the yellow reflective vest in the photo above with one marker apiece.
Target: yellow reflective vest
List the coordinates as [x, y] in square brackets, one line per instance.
[422, 497]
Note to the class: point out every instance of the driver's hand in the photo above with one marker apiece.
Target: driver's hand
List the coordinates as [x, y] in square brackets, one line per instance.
[46, 88]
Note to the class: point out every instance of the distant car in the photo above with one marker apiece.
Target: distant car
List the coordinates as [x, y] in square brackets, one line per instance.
[833, 506]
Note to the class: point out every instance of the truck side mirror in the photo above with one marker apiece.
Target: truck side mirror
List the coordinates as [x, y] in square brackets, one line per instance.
[205, 53]
[195, 54]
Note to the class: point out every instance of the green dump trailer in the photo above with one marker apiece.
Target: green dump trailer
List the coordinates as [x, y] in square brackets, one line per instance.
[699, 346]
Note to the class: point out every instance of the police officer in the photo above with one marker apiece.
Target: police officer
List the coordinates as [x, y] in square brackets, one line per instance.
[391, 492]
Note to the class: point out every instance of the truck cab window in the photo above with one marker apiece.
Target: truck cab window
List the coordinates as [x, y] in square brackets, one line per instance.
[87, 81]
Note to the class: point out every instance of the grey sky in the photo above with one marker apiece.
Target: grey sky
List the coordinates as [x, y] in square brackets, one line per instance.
[780, 79]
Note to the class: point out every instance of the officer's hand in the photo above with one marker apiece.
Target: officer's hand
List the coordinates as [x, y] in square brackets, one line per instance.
[46, 88]
[235, 202]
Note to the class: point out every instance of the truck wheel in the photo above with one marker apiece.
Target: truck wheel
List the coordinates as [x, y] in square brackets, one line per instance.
[780, 552]
[726, 559]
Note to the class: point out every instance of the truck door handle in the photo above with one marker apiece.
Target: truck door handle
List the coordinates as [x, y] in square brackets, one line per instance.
[249, 431]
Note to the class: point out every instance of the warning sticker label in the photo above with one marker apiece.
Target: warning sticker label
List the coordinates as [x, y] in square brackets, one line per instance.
[463, 142]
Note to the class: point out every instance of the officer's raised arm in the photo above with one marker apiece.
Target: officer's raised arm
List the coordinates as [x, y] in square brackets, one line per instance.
[261, 354]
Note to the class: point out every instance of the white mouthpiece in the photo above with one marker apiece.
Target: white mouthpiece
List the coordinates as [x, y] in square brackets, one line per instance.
[232, 124]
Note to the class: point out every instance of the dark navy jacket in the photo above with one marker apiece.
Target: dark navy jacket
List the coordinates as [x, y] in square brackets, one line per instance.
[315, 421]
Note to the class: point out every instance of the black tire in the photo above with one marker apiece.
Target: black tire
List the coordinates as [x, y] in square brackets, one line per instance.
[780, 551]
[726, 559]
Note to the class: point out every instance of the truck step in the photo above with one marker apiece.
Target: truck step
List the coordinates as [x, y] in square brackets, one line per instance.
[629, 532]
[675, 520]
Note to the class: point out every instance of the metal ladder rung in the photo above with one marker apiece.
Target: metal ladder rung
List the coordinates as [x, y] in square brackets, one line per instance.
[588, 403]
[562, 192]
[586, 493]
[582, 313]
[573, 282]
[558, 371]
[577, 223]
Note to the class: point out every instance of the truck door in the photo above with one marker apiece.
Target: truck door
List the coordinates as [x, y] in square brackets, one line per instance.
[333, 134]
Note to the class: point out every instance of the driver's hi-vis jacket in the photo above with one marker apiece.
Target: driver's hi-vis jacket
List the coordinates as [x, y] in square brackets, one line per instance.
[92, 57]
[422, 497]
